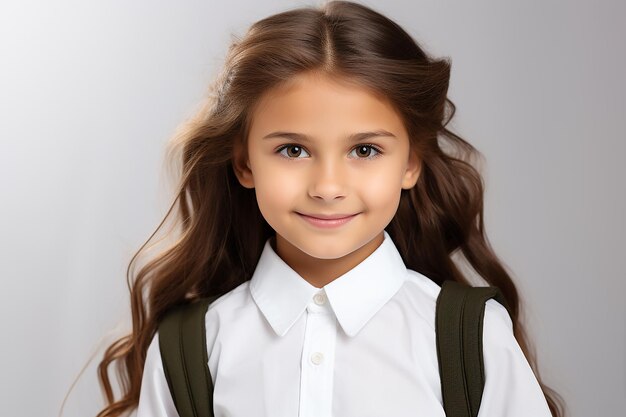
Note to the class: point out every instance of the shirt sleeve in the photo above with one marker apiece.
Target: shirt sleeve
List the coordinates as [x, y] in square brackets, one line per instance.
[155, 399]
[511, 388]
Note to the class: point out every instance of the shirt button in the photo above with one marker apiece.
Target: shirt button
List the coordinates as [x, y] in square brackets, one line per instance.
[317, 358]
[319, 298]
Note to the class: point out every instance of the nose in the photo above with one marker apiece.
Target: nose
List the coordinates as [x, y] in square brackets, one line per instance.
[328, 180]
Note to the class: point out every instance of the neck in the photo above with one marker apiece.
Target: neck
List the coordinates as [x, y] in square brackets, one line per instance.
[319, 272]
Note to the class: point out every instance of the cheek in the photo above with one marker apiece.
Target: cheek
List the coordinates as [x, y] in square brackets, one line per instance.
[275, 190]
[381, 192]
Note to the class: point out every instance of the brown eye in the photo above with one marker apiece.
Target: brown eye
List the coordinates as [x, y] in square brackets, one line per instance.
[296, 151]
[292, 151]
[364, 151]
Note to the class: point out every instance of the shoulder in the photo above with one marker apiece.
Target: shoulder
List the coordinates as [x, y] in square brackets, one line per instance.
[233, 296]
[425, 286]
[234, 300]
[228, 309]
[216, 309]
[419, 294]
[422, 292]
[224, 319]
[498, 326]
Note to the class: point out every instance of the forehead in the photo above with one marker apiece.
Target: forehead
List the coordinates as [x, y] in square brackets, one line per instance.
[317, 102]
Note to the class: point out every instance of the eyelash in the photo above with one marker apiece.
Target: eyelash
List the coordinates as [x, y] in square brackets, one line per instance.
[369, 145]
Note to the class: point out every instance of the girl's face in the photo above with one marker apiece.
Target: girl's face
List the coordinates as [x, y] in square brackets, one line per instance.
[302, 159]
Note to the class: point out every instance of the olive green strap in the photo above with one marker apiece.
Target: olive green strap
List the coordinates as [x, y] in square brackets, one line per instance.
[182, 341]
[459, 325]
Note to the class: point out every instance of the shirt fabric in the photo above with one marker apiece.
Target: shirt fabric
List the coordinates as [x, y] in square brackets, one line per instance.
[364, 345]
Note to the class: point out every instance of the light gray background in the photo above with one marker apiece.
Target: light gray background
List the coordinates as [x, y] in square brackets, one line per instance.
[91, 91]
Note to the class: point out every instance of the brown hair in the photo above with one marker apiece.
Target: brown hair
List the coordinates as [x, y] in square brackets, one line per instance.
[221, 231]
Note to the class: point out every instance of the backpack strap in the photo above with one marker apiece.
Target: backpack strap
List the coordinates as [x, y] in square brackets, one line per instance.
[182, 341]
[459, 326]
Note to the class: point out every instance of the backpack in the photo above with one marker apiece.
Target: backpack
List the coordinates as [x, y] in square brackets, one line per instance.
[458, 322]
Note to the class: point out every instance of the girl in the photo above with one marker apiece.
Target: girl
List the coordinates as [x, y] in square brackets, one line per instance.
[317, 201]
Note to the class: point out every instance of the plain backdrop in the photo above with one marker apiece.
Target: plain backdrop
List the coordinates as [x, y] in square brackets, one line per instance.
[90, 92]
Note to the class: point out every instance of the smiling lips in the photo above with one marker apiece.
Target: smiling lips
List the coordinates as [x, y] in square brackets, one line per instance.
[327, 221]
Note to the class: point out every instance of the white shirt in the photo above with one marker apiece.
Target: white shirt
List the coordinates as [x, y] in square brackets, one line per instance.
[361, 346]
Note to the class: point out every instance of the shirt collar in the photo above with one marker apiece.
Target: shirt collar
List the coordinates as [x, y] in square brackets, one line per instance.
[355, 297]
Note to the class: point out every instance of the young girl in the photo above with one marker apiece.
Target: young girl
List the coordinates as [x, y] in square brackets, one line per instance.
[321, 200]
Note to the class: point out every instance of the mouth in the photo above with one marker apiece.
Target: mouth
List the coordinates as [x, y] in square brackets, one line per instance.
[328, 216]
[327, 221]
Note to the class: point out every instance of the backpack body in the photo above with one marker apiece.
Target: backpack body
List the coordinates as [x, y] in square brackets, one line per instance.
[458, 321]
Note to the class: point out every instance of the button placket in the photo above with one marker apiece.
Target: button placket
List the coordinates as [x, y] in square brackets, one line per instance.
[317, 370]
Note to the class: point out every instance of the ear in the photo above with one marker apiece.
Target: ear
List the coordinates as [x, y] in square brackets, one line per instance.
[413, 169]
[241, 165]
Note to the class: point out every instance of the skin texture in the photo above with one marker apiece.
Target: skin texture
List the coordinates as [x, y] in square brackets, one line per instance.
[328, 174]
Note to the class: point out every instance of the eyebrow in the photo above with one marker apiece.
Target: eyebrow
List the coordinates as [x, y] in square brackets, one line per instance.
[355, 137]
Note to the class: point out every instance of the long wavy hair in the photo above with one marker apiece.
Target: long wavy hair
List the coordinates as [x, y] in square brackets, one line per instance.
[218, 231]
